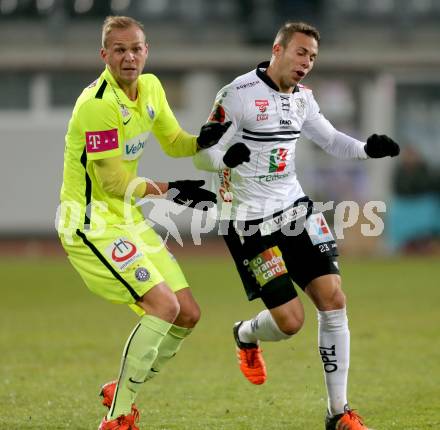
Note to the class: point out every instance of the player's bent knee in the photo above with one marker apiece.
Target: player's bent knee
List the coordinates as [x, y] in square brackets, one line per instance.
[195, 316]
[326, 293]
[339, 300]
[161, 302]
[168, 310]
[291, 329]
[189, 314]
[173, 310]
[334, 302]
[188, 317]
[290, 326]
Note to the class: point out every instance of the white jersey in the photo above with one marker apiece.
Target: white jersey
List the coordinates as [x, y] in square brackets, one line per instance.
[269, 123]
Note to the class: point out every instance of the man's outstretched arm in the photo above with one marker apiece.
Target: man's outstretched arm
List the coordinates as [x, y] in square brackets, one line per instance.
[183, 144]
[343, 146]
[115, 180]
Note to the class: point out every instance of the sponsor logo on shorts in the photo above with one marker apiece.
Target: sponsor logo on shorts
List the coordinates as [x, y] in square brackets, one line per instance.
[272, 225]
[318, 229]
[142, 274]
[123, 253]
[268, 265]
[100, 141]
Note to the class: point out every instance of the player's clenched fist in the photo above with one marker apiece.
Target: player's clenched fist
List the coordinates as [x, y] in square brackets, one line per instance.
[190, 193]
[237, 154]
[380, 145]
[211, 133]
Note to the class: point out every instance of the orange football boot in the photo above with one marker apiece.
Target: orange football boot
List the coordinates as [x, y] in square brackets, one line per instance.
[250, 358]
[123, 422]
[108, 392]
[349, 420]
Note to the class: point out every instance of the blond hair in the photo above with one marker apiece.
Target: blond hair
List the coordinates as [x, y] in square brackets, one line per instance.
[286, 32]
[120, 22]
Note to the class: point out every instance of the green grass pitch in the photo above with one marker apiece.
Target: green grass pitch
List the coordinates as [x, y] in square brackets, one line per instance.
[59, 343]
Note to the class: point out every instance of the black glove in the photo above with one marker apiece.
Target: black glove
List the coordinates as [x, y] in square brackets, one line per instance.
[211, 133]
[237, 154]
[380, 145]
[189, 193]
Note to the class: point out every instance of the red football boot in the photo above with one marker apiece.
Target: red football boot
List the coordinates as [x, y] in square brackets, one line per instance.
[108, 392]
[123, 422]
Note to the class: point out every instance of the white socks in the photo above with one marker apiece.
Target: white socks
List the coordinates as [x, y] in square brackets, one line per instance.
[334, 348]
[262, 327]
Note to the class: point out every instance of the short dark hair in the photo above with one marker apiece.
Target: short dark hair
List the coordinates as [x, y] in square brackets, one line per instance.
[286, 32]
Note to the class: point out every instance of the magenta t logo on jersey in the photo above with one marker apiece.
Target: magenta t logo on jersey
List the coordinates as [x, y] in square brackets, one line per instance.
[99, 141]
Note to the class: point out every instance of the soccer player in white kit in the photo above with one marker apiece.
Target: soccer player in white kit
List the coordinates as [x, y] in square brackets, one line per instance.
[275, 235]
